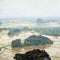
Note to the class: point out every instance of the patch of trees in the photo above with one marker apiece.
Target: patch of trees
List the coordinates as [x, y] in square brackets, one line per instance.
[39, 21]
[13, 31]
[53, 31]
[32, 41]
[16, 43]
[37, 40]
[26, 29]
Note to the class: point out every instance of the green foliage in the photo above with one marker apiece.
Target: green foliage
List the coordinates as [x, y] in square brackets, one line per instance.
[13, 31]
[53, 31]
[39, 21]
[16, 43]
[31, 41]
[37, 40]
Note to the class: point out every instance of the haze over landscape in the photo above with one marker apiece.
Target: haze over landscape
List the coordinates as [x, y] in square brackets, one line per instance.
[29, 24]
[29, 8]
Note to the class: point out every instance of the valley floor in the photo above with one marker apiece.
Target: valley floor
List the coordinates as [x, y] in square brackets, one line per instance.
[8, 52]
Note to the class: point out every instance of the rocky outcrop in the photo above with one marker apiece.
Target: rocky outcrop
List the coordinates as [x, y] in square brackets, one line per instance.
[35, 54]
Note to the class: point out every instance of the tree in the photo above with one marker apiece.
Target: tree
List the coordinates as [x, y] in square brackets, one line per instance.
[16, 43]
[39, 21]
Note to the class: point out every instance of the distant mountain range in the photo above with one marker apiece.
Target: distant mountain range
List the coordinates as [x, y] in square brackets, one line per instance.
[50, 20]
[30, 20]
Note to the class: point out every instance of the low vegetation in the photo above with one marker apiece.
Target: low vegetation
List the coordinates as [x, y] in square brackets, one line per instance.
[37, 40]
[32, 41]
[16, 43]
[13, 32]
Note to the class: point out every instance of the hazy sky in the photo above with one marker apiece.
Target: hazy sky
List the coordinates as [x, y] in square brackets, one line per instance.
[29, 8]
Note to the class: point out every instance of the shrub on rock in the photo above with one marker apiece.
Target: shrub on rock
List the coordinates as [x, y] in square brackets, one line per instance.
[16, 43]
[37, 40]
[13, 32]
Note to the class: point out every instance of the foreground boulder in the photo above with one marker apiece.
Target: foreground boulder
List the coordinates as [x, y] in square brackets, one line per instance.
[35, 54]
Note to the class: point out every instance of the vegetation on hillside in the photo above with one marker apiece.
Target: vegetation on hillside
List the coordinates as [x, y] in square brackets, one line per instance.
[52, 31]
[16, 43]
[37, 40]
[13, 32]
[32, 41]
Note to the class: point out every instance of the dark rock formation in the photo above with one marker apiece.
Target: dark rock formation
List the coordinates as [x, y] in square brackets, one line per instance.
[35, 54]
[16, 43]
[37, 40]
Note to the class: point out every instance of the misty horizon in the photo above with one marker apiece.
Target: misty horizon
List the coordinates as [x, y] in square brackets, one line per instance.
[29, 8]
